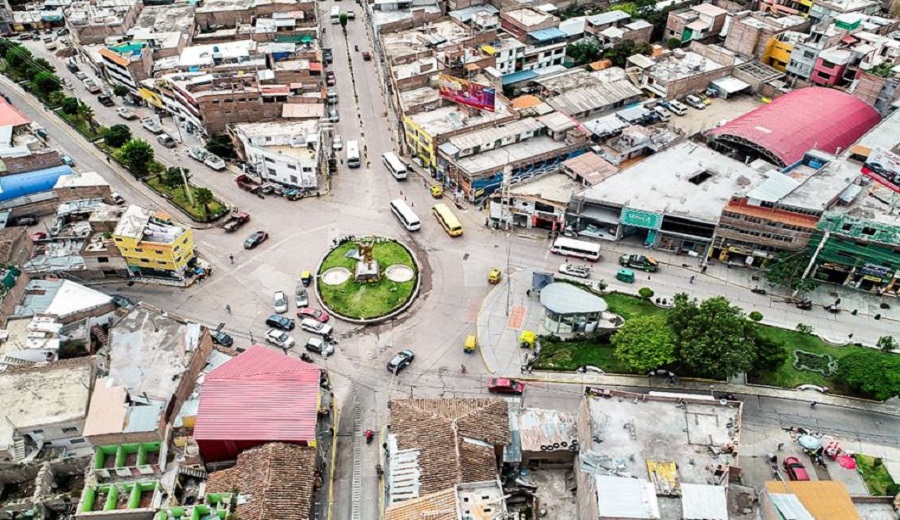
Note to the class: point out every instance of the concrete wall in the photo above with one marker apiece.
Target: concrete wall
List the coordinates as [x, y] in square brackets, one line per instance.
[217, 114]
[12, 297]
[28, 163]
[84, 192]
[586, 493]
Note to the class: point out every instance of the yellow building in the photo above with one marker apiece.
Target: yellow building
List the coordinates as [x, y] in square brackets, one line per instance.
[778, 50]
[153, 244]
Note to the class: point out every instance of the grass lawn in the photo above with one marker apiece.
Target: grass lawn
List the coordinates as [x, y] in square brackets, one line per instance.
[82, 127]
[630, 306]
[366, 301]
[177, 195]
[557, 355]
[876, 477]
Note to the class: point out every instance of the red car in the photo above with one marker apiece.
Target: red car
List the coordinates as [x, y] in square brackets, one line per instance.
[500, 385]
[316, 314]
[795, 469]
[330, 80]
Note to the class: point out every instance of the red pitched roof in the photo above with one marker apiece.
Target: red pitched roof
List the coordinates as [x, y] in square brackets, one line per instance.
[10, 115]
[822, 118]
[260, 395]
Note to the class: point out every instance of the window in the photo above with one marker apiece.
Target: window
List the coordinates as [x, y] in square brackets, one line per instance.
[102, 260]
[293, 179]
[76, 441]
[138, 250]
[158, 251]
[869, 231]
[70, 429]
[37, 432]
[145, 261]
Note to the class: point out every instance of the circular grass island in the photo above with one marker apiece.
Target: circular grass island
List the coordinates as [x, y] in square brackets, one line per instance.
[368, 302]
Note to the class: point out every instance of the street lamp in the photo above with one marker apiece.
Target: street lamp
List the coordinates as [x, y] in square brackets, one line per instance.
[187, 188]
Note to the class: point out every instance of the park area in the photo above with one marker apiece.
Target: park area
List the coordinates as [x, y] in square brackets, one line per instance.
[372, 299]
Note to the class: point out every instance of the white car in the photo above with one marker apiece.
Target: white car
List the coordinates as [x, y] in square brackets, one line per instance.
[118, 199]
[126, 113]
[311, 325]
[281, 303]
[302, 297]
[337, 143]
[279, 338]
[319, 346]
[214, 161]
[576, 270]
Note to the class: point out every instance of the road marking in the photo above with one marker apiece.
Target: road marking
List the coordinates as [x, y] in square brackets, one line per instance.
[516, 317]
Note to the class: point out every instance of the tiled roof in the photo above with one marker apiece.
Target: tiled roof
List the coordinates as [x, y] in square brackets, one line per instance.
[455, 438]
[436, 506]
[277, 479]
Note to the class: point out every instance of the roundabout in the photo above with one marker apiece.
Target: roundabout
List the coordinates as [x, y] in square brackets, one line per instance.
[368, 280]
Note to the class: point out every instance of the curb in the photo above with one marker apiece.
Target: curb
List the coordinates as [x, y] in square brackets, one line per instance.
[334, 437]
[490, 294]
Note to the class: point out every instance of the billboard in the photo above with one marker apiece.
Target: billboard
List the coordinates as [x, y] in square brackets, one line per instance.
[884, 167]
[467, 93]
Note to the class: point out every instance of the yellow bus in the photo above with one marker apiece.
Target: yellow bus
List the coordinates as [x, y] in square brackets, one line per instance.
[447, 219]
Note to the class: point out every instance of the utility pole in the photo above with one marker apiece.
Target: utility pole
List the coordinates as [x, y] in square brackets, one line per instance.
[506, 219]
[187, 188]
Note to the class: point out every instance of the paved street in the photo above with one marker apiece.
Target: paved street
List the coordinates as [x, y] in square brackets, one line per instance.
[454, 270]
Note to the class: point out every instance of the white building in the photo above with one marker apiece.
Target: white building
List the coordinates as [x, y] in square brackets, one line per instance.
[287, 153]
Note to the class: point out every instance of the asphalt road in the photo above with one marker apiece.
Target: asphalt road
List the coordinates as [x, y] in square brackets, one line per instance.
[454, 271]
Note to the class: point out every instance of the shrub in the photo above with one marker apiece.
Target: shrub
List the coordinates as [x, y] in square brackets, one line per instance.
[116, 135]
[646, 293]
[756, 316]
[70, 106]
[803, 328]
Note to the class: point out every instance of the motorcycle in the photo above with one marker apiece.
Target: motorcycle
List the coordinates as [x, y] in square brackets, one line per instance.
[369, 434]
[356, 47]
[306, 357]
[757, 290]
[833, 309]
[804, 304]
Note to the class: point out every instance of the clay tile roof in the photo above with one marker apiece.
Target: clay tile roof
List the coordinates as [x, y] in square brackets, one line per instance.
[455, 438]
[436, 506]
[278, 479]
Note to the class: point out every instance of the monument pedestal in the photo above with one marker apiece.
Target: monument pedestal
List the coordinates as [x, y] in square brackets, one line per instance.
[367, 272]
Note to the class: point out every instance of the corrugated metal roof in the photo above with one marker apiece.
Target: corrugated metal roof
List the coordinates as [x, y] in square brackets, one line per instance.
[543, 35]
[703, 502]
[821, 118]
[774, 188]
[621, 497]
[790, 507]
[260, 395]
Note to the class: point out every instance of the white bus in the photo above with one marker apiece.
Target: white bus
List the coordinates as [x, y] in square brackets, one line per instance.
[569, 247]
[353, 154]
[336, 14]
[394, 165]
[405, 215]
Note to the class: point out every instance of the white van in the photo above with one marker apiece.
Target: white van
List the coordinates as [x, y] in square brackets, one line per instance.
[662, 113]
[353, 154]
[405, 215]
[677, 108]
[394, 165]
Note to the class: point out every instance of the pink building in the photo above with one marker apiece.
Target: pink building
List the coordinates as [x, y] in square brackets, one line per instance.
[830, 67]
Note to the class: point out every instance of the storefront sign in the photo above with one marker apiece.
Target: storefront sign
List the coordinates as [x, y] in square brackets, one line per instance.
[640, 219]
[884, 167]
[875, 270]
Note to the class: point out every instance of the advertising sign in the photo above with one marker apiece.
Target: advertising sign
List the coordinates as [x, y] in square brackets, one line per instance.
[466, 93]
[884, 167]
[640, 219]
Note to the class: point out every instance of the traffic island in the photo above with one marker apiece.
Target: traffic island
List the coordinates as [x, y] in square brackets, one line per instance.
[368, 280]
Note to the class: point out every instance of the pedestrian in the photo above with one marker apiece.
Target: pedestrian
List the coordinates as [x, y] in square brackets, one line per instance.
[813, 404]
[850, 335]
[228, 308]
[692, 278]
[703, 269]
[231, 257]
[108, 160]
[528, 293]
[648, 276]
[780, 446]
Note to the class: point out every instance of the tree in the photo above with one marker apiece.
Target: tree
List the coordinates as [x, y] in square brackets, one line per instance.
[203, 197]
[120, 90]
[222, 146]
[584, 51]
[887, 343]
[137, 155]
[713, 339]
[45, 83]
[116, 135]
[787, 269]
[86, 113]
[70, 106]
[620, 52]
[645, 343]
[673, 43]
[6, 44]
[172, 177]
[18, 57]
[769, 355]
[755, 316]
[56, 98]
[343, 20]
[871, 373]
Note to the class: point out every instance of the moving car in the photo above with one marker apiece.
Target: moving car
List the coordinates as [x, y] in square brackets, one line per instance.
[167, 141]
[400, 361]
[126, 113]
[644, 263]
[319, 346]
[281, 304]
[576, 270]
[316, 314]
[279, 338]
[337, 143]
[502, 385]
[235, 221]
[280, 322]
[220, 337]
[316, 327]
[367, 56]
[794, 468]
[494, 276]
[257, 238]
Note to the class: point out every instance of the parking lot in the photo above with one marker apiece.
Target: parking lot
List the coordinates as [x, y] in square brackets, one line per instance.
[700, 120]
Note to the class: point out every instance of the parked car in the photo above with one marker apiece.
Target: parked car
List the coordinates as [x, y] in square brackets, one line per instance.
[152, 125]
[278, 321]
[72, 66]
[337, 143]
[332, 95]
[795, 469]
[257, 238]
[695, 102]
[80, 75]
[400, 361]
[126, 113]
[316, 314]
[214, 161]
[106, 100]
[302, 296]
[330, 80]
[280, 304]
[39, 235]
[502, 385]
[333, 116]
[662, 113]
[235, 221]
[92, 86]
[319, 346]
[316, 327]
[197, 153]
[279, 338]
[220, 337]
[327, 56]
[576, 270]
[68, 161]
[122, 301]
[118, 199]
[676, 108]
[25, 221]
[166, 140]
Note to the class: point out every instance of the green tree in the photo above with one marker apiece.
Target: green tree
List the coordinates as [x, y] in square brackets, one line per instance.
[887, 343]
[714, 338]
[86, 114]
[45, 83]
[343, 20]
[222, 146]
[56, 98]
[673, 43]
[203, 197]
[172, 177]
[787, 269]
[584, 51]
[645, 343]
[116, 135]
[120, 90]
[70, 106]
[769, 355]
[620, 52]
[871, 373]
[18, 58]
[6, 44]
[137, 155]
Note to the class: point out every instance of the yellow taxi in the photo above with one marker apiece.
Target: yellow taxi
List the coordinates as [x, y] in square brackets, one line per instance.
[437, 192]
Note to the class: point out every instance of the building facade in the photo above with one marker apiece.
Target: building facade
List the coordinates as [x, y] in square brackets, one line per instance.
[153, 244]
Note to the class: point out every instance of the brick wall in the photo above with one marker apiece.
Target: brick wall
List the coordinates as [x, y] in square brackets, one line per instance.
[83, 192]
[217, 115]
[11, 298]
[639, 35]
[29, 163]
[189, 378]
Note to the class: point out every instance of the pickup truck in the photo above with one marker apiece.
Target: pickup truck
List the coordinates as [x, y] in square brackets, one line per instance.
[91, 85]
[214, 161]
[197, 153]
[235, 221]
[126, 113]
[644, 263]
[152, 125]
[247, 184]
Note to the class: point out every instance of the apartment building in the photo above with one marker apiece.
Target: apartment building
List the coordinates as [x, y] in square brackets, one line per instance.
[805, 53]
[91, 22]
[699, 22]
[830, 9]
[289, 153]
[153, 244]
[520, 22]
[752, 34]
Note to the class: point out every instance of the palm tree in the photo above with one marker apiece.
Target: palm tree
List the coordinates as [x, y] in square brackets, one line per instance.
[86, 114]
[203, 196]
[56, 97]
